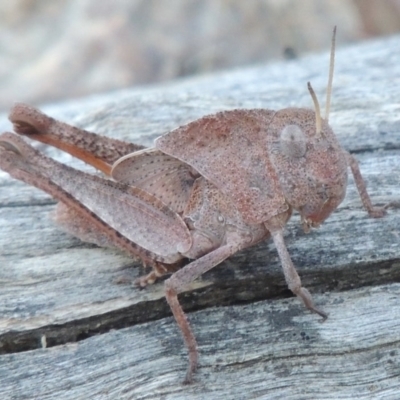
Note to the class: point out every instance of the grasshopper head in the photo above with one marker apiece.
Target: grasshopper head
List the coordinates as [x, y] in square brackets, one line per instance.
[309, 163]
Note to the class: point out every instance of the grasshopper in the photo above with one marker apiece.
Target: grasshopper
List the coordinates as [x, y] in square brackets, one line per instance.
[205, 191]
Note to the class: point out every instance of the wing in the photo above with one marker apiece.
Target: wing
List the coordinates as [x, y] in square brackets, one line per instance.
[230, 150]
[167, 178]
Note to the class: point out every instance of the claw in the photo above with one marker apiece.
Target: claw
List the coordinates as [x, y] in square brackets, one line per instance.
[377, 212]
[392, 204]
[146, 280]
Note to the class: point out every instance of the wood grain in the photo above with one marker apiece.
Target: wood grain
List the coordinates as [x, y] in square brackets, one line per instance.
[106, 340]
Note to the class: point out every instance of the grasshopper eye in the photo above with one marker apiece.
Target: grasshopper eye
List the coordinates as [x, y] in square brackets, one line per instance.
[293, 142]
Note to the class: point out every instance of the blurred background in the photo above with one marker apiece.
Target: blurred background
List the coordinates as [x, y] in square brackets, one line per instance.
[58, 49]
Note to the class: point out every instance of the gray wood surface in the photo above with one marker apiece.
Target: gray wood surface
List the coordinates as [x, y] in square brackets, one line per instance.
[106, 340]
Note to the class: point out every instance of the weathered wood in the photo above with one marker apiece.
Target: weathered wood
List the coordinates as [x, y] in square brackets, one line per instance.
[53, 286]
[268, 350]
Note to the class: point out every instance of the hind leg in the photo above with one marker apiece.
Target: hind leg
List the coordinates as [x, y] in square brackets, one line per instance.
[96, 150]
[23, 162]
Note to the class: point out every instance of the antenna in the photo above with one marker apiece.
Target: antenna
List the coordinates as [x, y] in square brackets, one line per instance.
[330, 79]
[318, 122]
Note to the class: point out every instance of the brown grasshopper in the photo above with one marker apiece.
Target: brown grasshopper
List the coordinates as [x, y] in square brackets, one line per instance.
[204, 191]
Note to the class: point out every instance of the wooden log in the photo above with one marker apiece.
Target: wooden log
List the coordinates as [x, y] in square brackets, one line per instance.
[59, 293]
